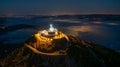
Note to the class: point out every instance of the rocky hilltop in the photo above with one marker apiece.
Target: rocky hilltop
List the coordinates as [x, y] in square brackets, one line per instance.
[79, 53]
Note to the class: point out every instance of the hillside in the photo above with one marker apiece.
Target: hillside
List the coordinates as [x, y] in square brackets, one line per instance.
[79, 54]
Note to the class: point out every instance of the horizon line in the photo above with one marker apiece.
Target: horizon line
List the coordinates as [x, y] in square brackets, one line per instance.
[52, 15]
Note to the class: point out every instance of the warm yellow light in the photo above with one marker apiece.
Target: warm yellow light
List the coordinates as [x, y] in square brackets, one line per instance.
[44, 32]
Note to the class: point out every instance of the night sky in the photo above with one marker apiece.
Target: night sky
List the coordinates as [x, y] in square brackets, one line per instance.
[54, 7]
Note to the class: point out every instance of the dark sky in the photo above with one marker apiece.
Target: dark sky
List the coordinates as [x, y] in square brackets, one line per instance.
[53, 7]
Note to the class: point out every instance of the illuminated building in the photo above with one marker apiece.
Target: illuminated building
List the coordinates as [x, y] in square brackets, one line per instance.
[50, 40]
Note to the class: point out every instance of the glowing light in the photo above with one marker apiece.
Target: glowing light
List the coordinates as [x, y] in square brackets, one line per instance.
[44, 32]
[45, 38]
[51, 29]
